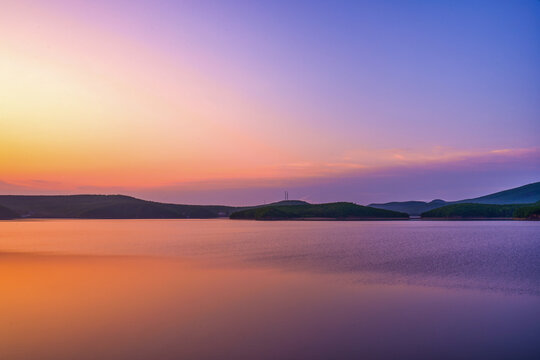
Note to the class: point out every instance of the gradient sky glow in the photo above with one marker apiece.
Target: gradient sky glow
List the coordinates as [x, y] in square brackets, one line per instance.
[235, 101]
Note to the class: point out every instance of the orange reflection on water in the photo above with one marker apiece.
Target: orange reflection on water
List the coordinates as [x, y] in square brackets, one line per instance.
[66, 307]
[206, 301]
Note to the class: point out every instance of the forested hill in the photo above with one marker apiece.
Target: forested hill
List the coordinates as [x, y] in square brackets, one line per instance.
[105, 207]
[111, 207]
[330, 211]
[487, 211]
[7, 214]
[526, 194]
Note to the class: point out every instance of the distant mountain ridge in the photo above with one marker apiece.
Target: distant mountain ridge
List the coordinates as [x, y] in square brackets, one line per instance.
[127, 207]
[526, 194]
[111, 207]
[99, 206]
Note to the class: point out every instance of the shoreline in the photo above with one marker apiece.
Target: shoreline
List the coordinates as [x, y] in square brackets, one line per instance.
[328, 219]
[292, 219]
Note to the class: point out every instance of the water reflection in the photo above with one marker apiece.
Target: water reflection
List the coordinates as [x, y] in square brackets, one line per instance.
[491, 255]
[237, 295]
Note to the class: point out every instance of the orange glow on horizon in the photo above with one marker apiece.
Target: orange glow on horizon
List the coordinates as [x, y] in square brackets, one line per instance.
[97, 106]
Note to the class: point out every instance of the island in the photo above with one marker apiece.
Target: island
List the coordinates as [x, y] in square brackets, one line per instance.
[329, 211]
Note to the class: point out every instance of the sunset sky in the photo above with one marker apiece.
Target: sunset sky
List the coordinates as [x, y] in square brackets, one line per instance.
[234, 102]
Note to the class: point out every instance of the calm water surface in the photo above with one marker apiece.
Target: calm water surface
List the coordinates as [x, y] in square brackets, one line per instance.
[221, 289]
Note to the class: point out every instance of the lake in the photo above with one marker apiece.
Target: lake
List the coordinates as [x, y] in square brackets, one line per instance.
[224, 289]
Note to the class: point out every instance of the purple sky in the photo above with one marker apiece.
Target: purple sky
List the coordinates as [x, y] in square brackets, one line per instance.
[234, 102]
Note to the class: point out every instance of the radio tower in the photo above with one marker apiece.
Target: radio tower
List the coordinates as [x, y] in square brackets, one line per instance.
[286, 195]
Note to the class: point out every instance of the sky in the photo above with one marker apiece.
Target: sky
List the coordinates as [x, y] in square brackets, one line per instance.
[234, 102]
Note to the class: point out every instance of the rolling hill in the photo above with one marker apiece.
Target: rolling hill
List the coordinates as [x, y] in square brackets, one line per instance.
[113, 207]
[526, 194]
[472, 211]
[105, 207]
[127, 207]
[330, 211]
[479, 211]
